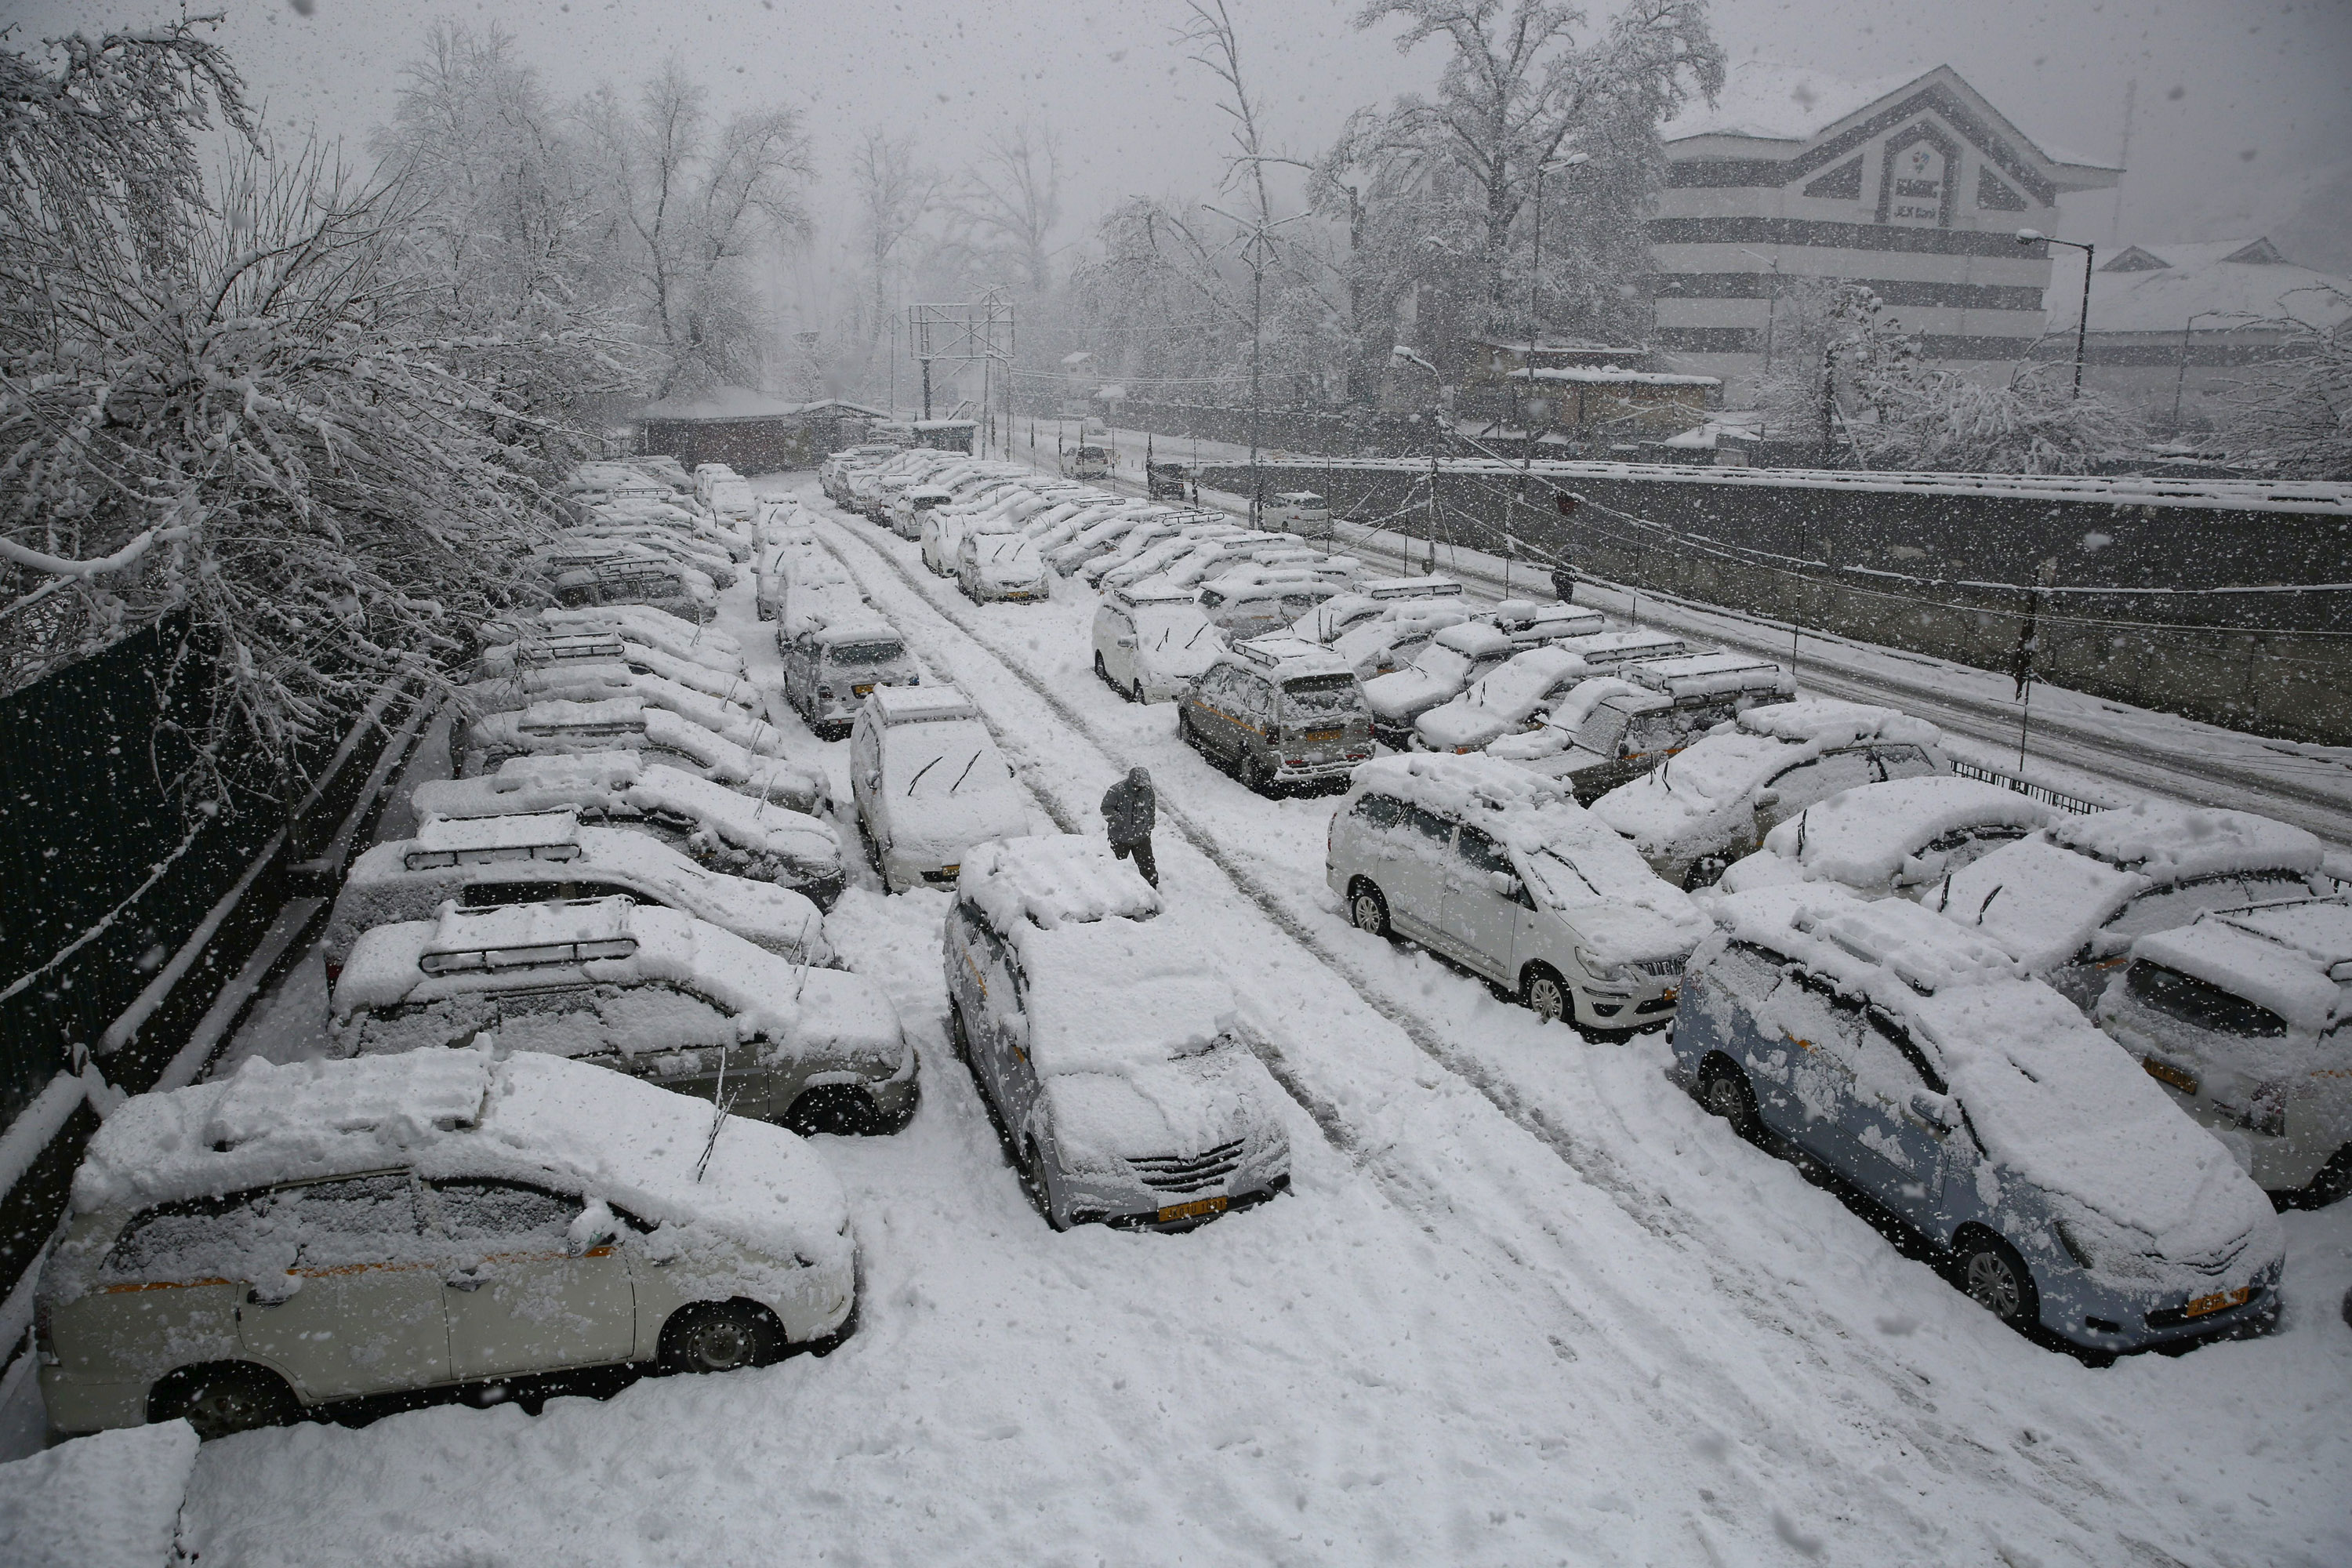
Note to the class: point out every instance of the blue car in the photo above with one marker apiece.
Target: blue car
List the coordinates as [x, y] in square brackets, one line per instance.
[1920, 1064]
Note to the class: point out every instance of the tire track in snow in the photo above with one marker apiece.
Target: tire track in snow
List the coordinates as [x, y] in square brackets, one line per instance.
[1768, 1305]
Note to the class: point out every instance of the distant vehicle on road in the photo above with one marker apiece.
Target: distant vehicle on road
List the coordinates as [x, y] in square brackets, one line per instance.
[1086, 462]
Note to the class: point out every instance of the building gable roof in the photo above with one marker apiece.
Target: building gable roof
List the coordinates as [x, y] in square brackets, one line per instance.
[2226, 284]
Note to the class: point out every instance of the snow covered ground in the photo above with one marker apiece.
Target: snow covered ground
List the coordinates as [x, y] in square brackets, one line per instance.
[1525, 1305]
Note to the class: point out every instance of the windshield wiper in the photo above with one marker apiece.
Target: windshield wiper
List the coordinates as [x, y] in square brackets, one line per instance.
[1196, 636]
[927, 767]
[961, 776]
[1573, 866]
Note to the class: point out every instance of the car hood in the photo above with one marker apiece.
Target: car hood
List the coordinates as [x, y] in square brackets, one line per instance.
[1182, 1107]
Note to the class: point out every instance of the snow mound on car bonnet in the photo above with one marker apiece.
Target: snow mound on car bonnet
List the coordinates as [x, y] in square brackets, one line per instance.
[1051, 878]
[2179, 844]
[1833, 723]
[1115, 996]
[1864, 837]
[1467, 786]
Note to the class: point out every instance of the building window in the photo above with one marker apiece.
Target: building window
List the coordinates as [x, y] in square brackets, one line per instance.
[1993, 194]
[1843, 183]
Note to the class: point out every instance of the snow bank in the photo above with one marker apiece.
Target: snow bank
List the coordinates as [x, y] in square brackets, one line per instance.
[1052, 879]
[108, 1500]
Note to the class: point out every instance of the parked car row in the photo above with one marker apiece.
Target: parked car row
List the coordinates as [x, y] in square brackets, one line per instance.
[501, 1169]
[2003, 1023]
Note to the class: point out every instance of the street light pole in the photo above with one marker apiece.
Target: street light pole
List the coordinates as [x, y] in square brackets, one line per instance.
[2181, 379]
[2083, 324]
[1535, 335]
[1403, 355]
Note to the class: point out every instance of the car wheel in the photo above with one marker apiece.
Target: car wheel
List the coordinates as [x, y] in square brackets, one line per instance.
[218, 1401]
[1370, 911]
[2331, 1184]
[1725, 1091]
[958, 1040]
[1546, 995]
[720, 1336]
[1184, 731]
[1257, 777]
[843, 1109]
[1990, 1272]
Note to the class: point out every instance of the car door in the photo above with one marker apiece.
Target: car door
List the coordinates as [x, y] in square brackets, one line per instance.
[1118, 646]
[526, 1284]
[1252, 712]
[354, 1304]
[1480, 917]
[1809, 1038]
[1416, 891]
[1900, 1152]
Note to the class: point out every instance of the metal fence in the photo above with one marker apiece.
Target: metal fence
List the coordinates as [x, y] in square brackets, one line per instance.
[2027, 788]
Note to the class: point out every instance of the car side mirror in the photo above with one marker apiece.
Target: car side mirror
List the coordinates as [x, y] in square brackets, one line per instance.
[1504, 883]
[1935, 1110]
[1766, 799]
[593, 1227]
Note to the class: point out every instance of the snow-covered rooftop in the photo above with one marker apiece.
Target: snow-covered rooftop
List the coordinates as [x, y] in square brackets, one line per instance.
[2178, 844]
[2229, 284]
[1050, 879]
[1781, 102]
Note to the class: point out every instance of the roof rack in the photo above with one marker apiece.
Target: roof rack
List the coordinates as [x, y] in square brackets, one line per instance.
[443, 842]
[584, 645]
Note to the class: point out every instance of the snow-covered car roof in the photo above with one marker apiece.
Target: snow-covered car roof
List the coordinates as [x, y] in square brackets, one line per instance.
[1117, 995]
[2039, 901]
[2296, 961]
[552, 847]
[1698, 788]
[625, 784]
[1499, 699]
[474, 1112]
[945, 787]
[1572, 862]
[1603, 648]
[657, 707]
[613, 942]
[1475, 638]
[671, 634]
[1524, 621]
[1864, 837]
[858, 629]
[1285, 658]
[1434, 586]
[629, 724]
[2050, 1096]
[1711, 675]
[588, 680]
[1051, 879]
[927, 492]
[2170, 844]
[919, 704]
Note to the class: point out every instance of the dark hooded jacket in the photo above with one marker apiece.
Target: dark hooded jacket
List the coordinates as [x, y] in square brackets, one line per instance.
[1131, 807]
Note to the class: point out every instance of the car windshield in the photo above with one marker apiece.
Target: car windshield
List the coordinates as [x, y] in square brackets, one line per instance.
[2199, 1004]
[1321, 697]
[1176, 627]
[860, 654]
[1443, 665]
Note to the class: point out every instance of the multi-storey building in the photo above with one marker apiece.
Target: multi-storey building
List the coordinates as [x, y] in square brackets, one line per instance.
[1914, 185]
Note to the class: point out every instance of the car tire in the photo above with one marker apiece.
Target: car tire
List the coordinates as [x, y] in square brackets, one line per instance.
[720, 1336]
[1368, 910]
[843, 1110]
[1725, 1091]
[1184, 731]
[959, 1039]
[1546, 995]
[222, 1398]
[1990, 1272]
[1256, 775]
[2331, 1184]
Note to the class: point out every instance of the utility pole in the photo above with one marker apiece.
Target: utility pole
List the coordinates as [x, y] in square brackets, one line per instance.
[2083, 322]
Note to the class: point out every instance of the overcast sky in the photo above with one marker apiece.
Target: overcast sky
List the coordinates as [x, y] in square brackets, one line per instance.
[2243, 123]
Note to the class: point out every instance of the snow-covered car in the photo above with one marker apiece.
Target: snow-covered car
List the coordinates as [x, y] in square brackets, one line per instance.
[604, 538]
[1452, 658]
[1135, 544]
[2247, 1019]
[291, 1236]
[1087, 462]
[929, 784]
[1373, 599]
[1153, 643]
[732, 500]
[1103, 1042]
[906, 511]
[674, 634]
[1714, 802]
[1615, 728]
[525, 661]
[1903, 837]
[1386, 643]
[2066, 902]
[829, 670]
[834, 469]
[629, 724]
[584, 680]
[651, 992]
[1912, 1058]
[1297, 511]
[708, 474]
[778, 839]
[484, 862]
[1276, 712]
[1104, 534]
[1265, 601]
[1001, 567]
[1502, 701]
[1195, 553]
[1530, 621]
[643, 579]
[1501, 871]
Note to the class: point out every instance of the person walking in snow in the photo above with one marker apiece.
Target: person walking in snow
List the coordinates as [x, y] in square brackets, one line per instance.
[1130, 808]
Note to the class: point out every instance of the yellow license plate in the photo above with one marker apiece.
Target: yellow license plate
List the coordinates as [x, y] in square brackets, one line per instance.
[2220, 1302]
[1314, 735]
[1192, 1210]
[861, 690]
[1670, 994]
[2165, 1072]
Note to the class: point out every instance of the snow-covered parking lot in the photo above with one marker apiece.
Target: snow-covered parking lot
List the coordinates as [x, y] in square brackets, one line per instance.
[1525, 1302]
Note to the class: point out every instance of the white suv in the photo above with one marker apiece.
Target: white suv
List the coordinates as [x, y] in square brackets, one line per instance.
[1102, 1043]
[927, 783]
[1499, 869]
[652, 993]
[244, 1249]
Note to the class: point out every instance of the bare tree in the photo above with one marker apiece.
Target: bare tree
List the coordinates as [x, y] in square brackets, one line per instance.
[233, 408]
[1008, 202]
[894, 193]
[1454, 173]
[693, 203]
[2295, 411]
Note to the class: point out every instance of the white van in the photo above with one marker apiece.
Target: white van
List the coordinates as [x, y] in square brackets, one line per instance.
[929, 784]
